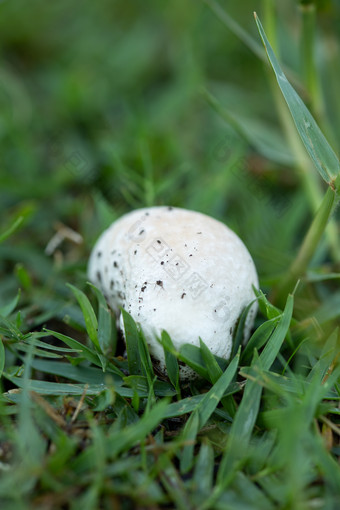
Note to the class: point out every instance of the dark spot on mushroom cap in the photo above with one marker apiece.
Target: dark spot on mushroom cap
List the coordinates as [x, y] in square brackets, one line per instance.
[190, 255]
[141, 232]
[199, 232]
[162, 262]
[159, 282]
[231, 331]
[170, 208]
[184, 294]
[143, 288]
[99, 276]
[111, 284]
[115, 264]
[159, 241]
[154, 309]
[99, 254]
[135, 252]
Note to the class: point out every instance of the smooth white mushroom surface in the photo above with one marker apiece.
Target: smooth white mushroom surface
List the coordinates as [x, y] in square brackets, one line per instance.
[179, 271]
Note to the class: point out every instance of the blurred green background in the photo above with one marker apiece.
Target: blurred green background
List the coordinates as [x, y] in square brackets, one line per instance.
[103, 108]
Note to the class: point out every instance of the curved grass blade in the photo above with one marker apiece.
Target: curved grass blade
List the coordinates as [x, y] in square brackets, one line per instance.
[89, 354]
[6, 310]
[15, 225]
[321, 153]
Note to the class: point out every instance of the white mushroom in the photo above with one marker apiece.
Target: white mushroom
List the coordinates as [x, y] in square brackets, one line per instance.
[179, 271]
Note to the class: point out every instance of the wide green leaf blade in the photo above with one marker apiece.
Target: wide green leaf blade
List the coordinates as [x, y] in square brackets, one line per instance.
[132, 341]
[323, 156]
[170, 360]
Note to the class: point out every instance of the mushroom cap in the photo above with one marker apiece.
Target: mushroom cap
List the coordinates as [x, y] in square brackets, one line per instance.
[179, 271]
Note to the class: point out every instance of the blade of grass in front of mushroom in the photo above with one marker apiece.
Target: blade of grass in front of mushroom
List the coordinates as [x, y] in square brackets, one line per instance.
[148, 368]
[171, 362]
[203, 411]
[191, 355]
[90, 318]
[247, 412]
[215, 372]
[259, 338]
[132, 342]
[107, 337]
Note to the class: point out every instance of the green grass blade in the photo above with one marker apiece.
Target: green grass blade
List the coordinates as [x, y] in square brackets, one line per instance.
[145, 358]
[321, 153]
[89, 315]
[171, 362]
[51, 388]
[191, 355]
[88, 353]
[132, 344]
[203, 412]
[15, 225]
[213, 367]
[190, 432]
[2, 357]
[6, 310]
[204, 471]
[104, 322]
[259, 338]
[247, 412]
[123, 439]
[328, 353]
[230, 23]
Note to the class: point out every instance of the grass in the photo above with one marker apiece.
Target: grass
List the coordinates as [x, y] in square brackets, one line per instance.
[110, 108]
